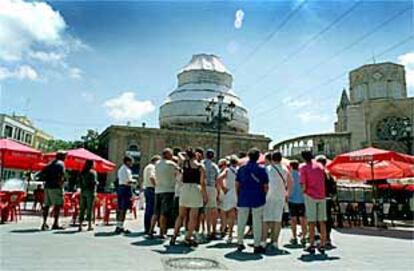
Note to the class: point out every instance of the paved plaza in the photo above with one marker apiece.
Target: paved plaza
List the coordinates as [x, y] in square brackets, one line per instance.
[24, 247]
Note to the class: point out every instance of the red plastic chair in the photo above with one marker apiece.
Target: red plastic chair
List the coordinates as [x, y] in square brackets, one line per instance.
[111, 204]
[67, 203]
[15, 198]
[98, 204]
[4, 206]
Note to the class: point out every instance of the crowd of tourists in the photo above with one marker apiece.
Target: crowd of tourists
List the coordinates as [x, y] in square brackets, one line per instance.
[189, 192]
[194, 192]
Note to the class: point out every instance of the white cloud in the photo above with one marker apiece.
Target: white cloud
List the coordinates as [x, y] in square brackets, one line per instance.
[408, 61]
[23, 24]
[33, 32]
[238, 20]
[127, 107]
[75, 73]
[21, 72]
[289, 101]
[306, 117]
[47, 56]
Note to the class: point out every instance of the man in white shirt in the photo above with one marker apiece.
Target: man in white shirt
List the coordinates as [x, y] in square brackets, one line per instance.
[124, 192]
[149, 191]
[165, 178]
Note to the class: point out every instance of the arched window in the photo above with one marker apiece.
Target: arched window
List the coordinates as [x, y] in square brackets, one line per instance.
[394, 128]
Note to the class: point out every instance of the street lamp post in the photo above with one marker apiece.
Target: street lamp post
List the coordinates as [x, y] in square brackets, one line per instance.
[219, 113]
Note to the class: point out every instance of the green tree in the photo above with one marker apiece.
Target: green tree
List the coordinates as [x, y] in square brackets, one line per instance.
[90, 141]
[58, 144]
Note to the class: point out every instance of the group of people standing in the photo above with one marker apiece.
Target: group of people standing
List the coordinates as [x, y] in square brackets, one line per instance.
[53, 176]
[199, 192]
[188, 190]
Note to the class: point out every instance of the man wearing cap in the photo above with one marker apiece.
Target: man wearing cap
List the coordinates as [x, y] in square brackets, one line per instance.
[54, 177]
[312, 179]
[212, 172]
[124, 192]
[149, 192]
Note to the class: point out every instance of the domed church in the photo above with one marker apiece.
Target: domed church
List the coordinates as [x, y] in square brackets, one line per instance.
[203, 79]
[188, 117]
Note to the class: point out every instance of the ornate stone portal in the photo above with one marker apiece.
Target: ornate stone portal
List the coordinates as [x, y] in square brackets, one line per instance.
[183, 119]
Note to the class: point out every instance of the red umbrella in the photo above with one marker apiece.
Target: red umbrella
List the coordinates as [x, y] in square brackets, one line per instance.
[371, 164]
[75, 159]
[392, 186]
[18, 156]
[410, 187]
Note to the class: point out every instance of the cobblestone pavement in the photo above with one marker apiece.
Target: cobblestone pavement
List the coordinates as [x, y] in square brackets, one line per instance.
[24, 247]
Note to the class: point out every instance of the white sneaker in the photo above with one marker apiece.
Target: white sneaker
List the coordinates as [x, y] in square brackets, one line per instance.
[229, 240]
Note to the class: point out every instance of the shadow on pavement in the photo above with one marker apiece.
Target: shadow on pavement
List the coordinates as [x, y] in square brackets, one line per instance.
[223, 245]
[389, 233]
[26, 231]
[277, 252]
[66, 232]
[290, 246]
[106, 234]
[243, 256]
[177, 249]
[317, 258]
[148, 242]
[134, 234]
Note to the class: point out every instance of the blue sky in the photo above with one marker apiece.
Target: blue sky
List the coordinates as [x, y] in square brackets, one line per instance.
[72, 65]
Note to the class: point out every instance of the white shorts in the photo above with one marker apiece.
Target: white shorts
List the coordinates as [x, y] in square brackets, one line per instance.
[212, 197]
[229, 201]
[273, 210]
[190, 196]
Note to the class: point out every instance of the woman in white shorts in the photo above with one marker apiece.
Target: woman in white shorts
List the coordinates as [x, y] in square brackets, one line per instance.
[192, 196]
[279, 178]
[227, 184]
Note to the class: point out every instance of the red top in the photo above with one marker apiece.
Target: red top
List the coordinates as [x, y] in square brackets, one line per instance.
[312, 175]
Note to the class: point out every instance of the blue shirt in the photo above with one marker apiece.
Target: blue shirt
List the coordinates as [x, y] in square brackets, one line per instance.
[251, 179]
[297, 193]
[212, 172]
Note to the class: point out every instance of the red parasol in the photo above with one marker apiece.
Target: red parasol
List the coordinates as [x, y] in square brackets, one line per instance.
[371, 164]
[392, 186]
[75, 159]
[18, 156]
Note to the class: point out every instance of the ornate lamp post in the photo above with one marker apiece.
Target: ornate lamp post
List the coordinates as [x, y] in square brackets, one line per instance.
[219, 113]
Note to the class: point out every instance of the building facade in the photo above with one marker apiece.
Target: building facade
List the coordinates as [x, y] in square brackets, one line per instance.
[377, 112]
[184, 120]
[22, 130]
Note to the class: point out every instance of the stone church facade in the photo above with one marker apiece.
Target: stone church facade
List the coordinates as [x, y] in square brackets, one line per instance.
[377, 112]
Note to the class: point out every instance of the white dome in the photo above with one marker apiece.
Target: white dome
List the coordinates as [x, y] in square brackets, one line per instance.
[200, 81]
